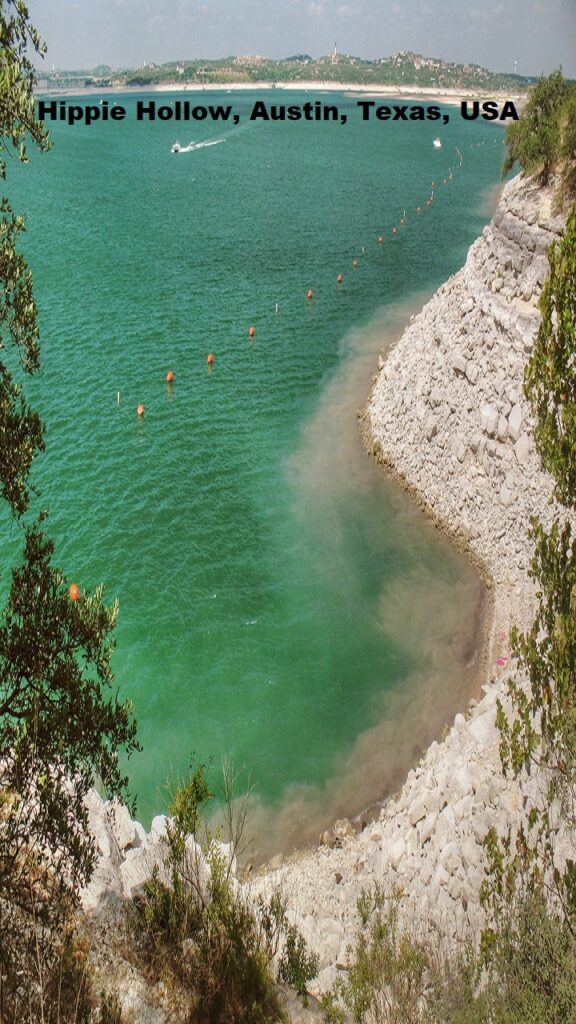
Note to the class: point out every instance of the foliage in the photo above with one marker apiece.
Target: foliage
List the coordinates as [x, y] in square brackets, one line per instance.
[17, 116]
[41, 980]
[533, 964]
[60, 725]
[21, 433]
[550, 377]
[401, 69]
[535, 140]
[297, 966]
[395, 978]
[198, 931]
[187, 802]
[386, 981]
[541, 733]
[568, 131]
[57, 722]
[530, 893]
[544, 728]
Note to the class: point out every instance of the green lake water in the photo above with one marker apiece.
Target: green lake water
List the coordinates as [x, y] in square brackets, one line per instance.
[280, 602]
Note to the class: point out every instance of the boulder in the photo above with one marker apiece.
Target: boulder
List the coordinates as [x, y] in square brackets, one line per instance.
[515, 422]
[489, 419]
[472, 372]
[459, 364]
[502, 428]
[522, 448]
[121, 824]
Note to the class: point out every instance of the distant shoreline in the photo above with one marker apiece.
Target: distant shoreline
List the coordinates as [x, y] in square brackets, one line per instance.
[429, 94]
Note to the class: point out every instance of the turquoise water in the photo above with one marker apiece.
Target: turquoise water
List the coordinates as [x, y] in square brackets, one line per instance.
[260, 559]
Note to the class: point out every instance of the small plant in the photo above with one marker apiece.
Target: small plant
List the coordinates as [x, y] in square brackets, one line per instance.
[297, 965]
[387, 979]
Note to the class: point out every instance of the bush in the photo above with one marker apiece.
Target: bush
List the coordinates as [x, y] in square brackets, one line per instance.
[44, 973]
[550, 376]
[297, 966]
[529, 976]
[198, 931]
[386, 981]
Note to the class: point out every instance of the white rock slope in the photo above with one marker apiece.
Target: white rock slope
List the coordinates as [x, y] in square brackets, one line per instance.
[448, 418]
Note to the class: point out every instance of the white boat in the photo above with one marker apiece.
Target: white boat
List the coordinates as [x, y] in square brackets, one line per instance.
[437, 144]
[177, 148]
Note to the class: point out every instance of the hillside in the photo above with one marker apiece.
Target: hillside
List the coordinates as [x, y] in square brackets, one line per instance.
[401, 69]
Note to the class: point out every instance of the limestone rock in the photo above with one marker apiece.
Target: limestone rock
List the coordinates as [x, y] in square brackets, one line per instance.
[472, 372]
[121, 824]
[489, 419]
[522, 449]
[515, 422]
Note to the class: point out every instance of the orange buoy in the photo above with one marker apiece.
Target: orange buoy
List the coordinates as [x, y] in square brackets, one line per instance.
[401, 220]
[394, 231]
[339, 278]
[310, 293]
[140, 409]
[74, 592]
[380, 240]
[355, 263]
[210, 359]
[252, 332]
[169, 376]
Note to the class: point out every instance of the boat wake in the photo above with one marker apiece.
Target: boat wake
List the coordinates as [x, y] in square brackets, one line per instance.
[177, 148]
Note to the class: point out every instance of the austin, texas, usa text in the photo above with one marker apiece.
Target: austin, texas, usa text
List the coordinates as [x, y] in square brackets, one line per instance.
[313, 110]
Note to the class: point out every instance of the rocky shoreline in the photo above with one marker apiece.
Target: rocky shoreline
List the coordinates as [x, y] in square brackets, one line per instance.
[448, 419]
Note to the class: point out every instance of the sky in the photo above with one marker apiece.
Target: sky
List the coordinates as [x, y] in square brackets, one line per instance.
[535, 35]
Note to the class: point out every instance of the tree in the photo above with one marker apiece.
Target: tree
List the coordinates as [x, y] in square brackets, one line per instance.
[21, 433]
[535, 140]
[61, 724]
[550, 377]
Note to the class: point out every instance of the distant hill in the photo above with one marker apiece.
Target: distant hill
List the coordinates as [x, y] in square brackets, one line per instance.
[401, 69]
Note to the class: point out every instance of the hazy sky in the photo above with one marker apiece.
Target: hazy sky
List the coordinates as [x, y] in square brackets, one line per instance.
[538, 34]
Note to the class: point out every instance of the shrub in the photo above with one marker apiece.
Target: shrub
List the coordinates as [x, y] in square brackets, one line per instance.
[44, 973]
[386, 981]
[198, 929]
[550, 376]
